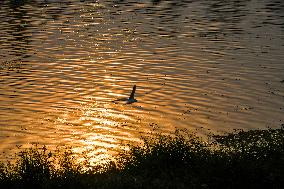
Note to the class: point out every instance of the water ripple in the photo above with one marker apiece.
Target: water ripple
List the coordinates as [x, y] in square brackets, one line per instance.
[211, 65]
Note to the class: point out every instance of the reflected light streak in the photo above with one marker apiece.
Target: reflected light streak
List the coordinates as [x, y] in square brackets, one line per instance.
[97, 135]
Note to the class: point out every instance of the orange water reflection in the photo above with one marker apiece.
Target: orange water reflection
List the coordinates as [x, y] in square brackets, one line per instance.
[197, 65]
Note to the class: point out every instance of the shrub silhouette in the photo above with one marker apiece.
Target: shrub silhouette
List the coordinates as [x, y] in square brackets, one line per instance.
[252, 159]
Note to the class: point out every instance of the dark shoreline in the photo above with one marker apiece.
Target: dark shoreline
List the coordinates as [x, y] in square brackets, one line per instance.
[251, 159]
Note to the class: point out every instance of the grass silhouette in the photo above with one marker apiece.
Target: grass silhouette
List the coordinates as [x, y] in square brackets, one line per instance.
[251, 159]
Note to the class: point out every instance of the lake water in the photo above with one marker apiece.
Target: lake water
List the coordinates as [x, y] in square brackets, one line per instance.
[204, 65]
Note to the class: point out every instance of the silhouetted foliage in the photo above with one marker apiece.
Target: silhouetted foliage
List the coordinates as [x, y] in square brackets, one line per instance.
[252, 159]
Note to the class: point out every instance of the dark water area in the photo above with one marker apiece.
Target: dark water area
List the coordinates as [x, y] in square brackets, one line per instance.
[208, 66]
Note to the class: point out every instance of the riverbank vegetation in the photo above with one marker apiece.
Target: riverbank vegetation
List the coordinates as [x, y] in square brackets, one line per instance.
[252, 159]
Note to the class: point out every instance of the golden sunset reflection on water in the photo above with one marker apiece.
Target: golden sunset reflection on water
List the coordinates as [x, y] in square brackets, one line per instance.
[62, 66]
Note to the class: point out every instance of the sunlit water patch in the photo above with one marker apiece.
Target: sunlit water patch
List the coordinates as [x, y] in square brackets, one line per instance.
[208, 66]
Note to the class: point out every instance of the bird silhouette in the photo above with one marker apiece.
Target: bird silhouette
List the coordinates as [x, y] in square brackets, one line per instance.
[131, 98]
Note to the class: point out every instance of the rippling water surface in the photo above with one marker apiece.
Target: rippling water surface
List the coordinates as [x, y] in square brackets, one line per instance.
[206, 65]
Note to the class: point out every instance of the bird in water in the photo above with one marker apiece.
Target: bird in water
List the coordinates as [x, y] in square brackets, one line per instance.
[131, 98]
